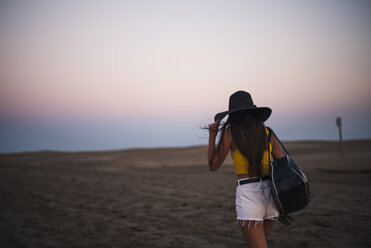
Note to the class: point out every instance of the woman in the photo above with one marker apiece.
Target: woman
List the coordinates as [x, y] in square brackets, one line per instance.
[245, 135]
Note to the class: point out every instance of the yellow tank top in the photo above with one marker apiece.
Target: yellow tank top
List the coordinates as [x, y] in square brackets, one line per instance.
[241, 163]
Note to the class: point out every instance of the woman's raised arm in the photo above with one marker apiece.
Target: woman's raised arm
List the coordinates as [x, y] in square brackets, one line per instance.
[217, 155]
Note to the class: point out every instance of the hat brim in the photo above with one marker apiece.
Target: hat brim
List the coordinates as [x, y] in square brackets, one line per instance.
[264, 113]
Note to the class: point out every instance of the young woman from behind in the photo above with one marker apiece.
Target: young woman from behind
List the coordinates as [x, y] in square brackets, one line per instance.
[246, 137]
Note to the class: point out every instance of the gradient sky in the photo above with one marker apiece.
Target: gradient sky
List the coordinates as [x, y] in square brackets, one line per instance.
[92, 75]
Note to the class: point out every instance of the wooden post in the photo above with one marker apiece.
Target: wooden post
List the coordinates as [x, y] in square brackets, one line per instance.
[338, 123]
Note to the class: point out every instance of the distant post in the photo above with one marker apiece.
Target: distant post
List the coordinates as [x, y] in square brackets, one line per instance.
[338, 123]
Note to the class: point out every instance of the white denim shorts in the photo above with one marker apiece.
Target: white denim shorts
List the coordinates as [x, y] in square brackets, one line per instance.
[254, 202]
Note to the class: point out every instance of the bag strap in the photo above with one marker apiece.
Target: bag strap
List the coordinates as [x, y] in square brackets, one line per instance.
[283, 218]
[269, 136]
[269, 147]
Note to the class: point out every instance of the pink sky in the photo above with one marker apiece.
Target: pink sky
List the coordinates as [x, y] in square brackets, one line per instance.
[180, 60]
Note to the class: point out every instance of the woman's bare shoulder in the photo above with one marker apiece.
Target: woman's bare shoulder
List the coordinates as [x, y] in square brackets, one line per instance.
[228, 133]
[229, 137]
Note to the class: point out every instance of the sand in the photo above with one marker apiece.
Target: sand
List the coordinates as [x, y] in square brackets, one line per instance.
[168, 198]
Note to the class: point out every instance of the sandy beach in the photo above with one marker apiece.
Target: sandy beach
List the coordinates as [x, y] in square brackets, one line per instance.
[168, 198]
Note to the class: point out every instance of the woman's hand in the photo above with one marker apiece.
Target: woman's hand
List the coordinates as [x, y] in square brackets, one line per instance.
[214, 128]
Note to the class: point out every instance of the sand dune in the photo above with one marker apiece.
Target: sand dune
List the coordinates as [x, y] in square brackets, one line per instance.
[168, 198]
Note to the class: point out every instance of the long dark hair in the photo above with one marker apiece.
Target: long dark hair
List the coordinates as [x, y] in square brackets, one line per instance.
[249, 136]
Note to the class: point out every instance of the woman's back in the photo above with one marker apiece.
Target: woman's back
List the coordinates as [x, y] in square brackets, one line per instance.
[241, 163]
[249, 137]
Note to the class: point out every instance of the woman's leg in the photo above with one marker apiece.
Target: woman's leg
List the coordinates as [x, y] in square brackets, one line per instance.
[253, 233]
[268, 224]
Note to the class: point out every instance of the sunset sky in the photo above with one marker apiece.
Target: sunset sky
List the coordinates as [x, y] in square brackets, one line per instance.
[98, 75]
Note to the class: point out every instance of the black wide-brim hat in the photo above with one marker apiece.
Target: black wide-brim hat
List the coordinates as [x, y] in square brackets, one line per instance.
[241, 100]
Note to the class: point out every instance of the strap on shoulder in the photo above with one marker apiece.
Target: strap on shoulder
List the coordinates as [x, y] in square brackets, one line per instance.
[270, 132]
[269, 147]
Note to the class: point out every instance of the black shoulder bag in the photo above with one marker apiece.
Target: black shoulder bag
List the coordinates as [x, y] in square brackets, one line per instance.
[290, 187]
